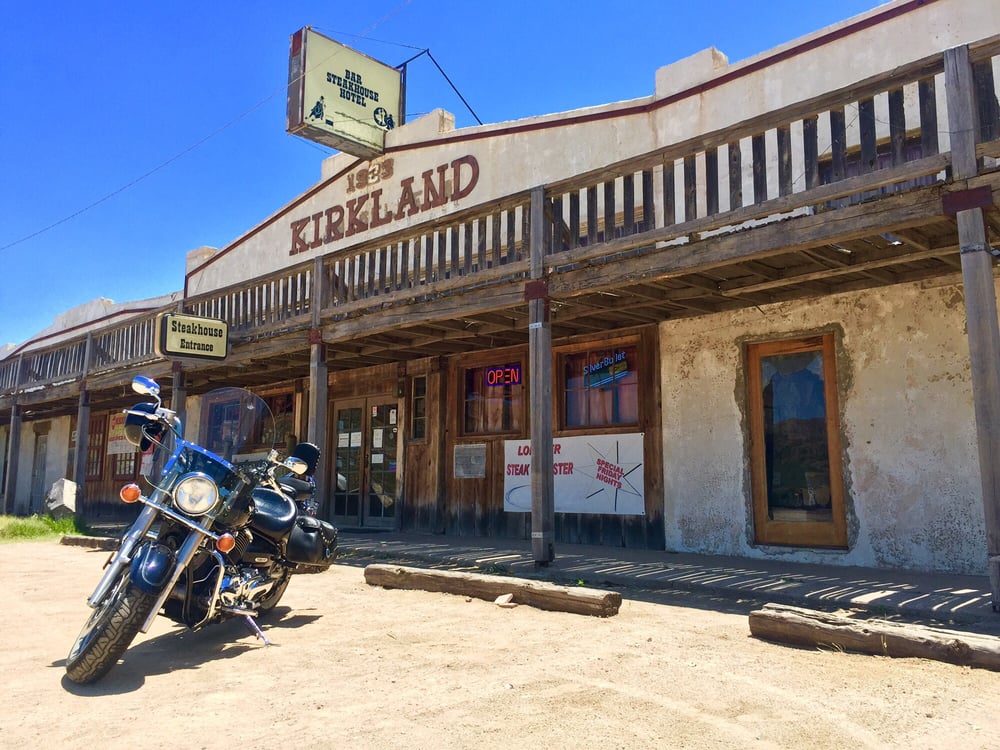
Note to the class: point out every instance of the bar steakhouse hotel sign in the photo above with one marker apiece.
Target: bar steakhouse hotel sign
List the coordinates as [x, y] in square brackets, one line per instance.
[593, 474]
[339, 97]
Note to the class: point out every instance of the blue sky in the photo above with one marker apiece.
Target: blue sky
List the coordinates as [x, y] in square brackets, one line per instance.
[133, 132]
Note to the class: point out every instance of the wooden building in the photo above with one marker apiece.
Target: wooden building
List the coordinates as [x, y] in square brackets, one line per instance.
[751, 314]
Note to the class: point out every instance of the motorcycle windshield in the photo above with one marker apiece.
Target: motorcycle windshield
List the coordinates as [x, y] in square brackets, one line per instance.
[236, 425]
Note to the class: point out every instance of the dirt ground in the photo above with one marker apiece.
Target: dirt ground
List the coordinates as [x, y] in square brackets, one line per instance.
[353, 665]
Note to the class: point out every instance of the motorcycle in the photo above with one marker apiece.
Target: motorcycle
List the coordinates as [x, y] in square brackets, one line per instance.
[219, 534]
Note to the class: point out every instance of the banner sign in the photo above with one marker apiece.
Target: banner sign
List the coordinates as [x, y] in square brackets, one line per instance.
[117, 444]
[592, 474]
[340, 97]
[191, 336]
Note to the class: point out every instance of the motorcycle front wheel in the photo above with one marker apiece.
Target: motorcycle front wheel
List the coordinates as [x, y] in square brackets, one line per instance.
[109, 630]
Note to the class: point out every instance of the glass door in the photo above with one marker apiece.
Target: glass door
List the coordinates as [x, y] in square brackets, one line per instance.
[365, 457]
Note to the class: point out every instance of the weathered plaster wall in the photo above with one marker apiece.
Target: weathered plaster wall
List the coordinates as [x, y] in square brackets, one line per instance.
[56, 461]
[909, 441]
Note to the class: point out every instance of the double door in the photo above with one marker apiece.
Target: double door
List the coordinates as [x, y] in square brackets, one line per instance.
[365, 452]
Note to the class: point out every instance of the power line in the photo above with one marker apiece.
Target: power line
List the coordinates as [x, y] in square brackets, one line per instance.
[189, 149]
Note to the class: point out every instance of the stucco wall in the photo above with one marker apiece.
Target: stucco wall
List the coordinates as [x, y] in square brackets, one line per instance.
[909, 445]
[56, 460]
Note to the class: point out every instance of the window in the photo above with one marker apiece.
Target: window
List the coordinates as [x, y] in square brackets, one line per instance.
[494, 399]
[795, 443]
[418, 409]
[600, 387]
[123, 465]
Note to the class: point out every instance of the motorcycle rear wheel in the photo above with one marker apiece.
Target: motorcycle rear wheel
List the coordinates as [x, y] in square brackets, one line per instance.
[271, 599]
[109, 631]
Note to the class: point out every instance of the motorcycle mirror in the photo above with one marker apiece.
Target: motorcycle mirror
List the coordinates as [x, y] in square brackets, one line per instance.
[145, 386]
[295, 465]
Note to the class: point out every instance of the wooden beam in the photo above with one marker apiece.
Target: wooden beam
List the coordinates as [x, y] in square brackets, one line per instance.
[578, 600]
[980, 303]
[804, 627]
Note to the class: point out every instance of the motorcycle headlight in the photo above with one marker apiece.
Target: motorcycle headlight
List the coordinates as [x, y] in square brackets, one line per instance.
[195, 494]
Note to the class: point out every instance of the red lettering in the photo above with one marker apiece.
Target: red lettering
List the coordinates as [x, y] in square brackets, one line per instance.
[460, 191]
[377, 219]
[434, 197]
[299, 245]
[334, 227]
[316, 241]
[524, 450]
[355, 223]
[407, 205]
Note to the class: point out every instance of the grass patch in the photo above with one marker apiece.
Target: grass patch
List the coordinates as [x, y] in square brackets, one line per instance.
[17, 528]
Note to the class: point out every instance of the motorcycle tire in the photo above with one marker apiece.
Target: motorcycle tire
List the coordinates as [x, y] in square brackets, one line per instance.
[108, 632]
[271, 599]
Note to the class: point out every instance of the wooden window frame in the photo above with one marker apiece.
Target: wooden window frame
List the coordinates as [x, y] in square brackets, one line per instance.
[832, 534]
[559, 355]
[500, 357]
[420, 420]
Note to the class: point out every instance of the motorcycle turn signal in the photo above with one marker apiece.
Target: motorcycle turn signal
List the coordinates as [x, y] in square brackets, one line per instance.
[225, 543]
[130, 493]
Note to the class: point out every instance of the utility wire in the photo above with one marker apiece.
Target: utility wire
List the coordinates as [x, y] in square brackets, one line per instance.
[189, 149]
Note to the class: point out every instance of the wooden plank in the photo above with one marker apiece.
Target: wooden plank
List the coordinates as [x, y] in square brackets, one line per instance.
[987, 107]
[648, 201]
[579, 600]
[669, 194]
[735, 176]
[804, 627]
[838, 143]
[928, 117]
[628, 204]
[866, 124]
[690, 188]
[759, 167]
[609, 210]
[574, 219]
[592, 237]
[897, 126]
[712, 181]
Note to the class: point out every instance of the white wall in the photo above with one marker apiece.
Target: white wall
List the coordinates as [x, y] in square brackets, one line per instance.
[909, 442]
[56, 461]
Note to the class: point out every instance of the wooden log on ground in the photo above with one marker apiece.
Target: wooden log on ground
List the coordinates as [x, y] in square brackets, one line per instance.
[806, 627]
[541, 594]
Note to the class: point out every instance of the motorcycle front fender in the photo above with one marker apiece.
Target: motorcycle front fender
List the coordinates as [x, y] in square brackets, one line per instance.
[152, 567]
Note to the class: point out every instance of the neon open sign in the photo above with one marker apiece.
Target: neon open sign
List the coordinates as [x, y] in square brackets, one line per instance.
[503, 375]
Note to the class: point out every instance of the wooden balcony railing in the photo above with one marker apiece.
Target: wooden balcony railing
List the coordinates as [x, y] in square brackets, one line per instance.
[886, 133]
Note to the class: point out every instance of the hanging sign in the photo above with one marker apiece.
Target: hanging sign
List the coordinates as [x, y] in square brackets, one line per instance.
[339, 97]
[191, 336]
[592, 474]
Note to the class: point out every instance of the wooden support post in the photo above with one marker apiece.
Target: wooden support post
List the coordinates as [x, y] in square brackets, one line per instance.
[980, 303]
[13, 443]
[80, 449]
[178, 394]
[543, 519]
[318, 385]
[13, 448]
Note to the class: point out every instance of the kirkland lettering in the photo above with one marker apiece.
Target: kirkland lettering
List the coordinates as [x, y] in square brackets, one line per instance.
[381, 207]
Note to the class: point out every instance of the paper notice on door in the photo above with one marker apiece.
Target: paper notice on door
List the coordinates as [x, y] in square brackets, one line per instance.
[355, 440]
[377, 458]
[377, 437]
[392, 416]
[343, 439]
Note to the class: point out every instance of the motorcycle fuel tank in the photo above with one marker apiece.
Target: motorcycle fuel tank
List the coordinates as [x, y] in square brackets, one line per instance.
[273, 513]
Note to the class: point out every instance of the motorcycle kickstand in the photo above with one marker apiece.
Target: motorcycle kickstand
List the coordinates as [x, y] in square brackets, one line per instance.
[255, 629]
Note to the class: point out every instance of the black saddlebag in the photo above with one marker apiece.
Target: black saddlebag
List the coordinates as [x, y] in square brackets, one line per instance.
[312, 545]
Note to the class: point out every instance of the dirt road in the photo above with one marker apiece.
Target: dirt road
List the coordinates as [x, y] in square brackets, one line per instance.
[364, 667]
